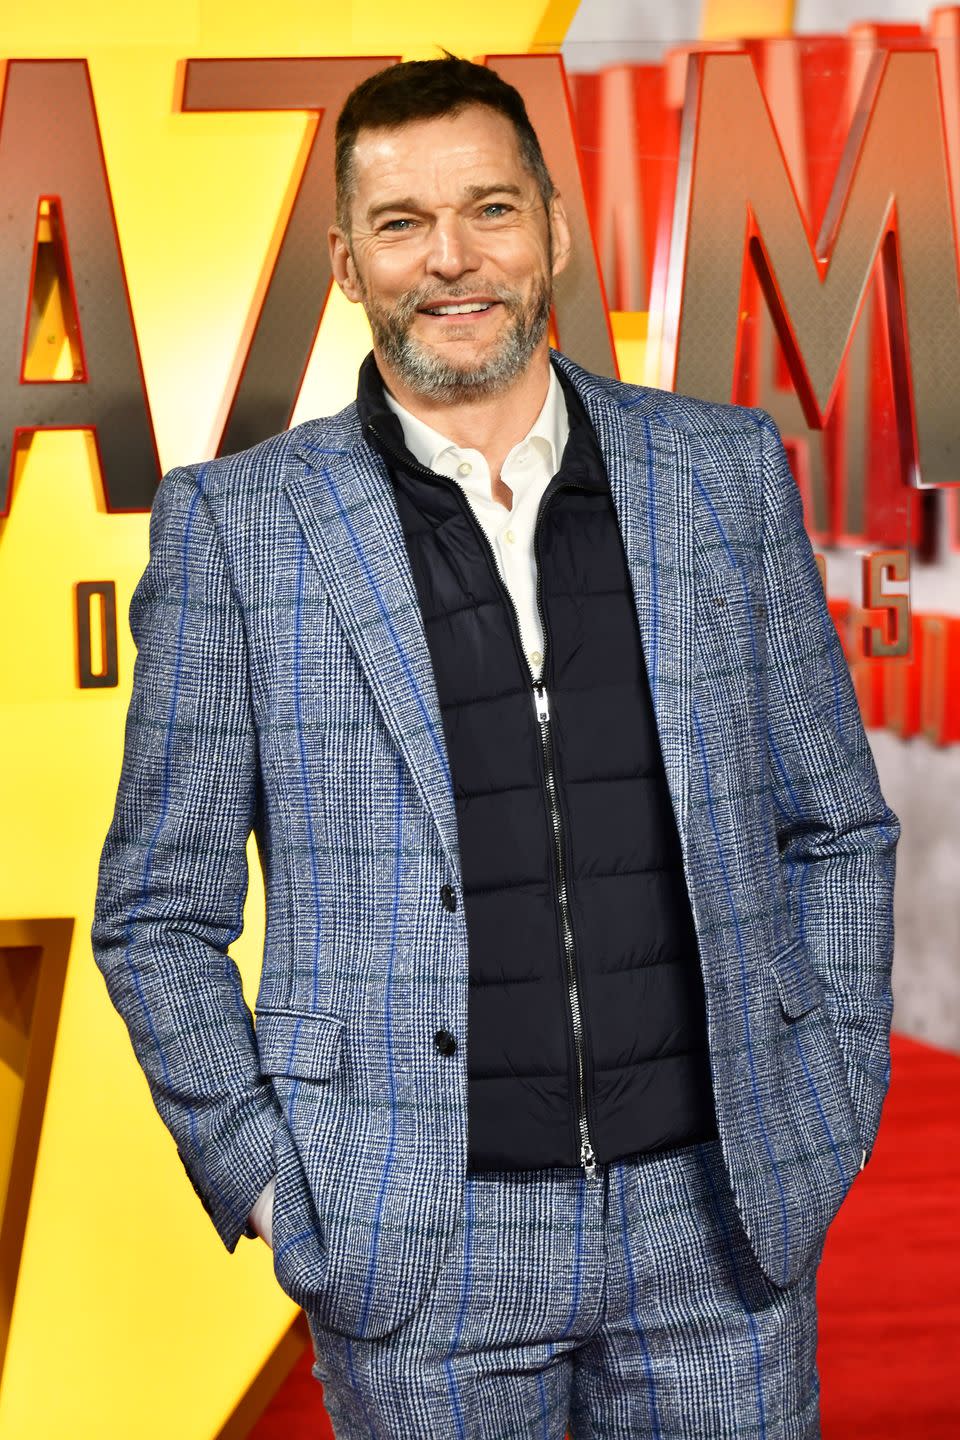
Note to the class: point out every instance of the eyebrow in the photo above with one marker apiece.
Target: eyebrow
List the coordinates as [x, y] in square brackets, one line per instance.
[472, 192]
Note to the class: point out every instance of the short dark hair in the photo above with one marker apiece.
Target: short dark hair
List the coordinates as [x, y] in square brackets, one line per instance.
[422, 90]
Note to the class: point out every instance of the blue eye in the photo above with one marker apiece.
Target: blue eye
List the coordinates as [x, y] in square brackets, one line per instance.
[391, 223]
[496, 205]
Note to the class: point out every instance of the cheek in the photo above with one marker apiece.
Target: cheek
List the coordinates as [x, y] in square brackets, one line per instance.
[520, 258]
[386, 270]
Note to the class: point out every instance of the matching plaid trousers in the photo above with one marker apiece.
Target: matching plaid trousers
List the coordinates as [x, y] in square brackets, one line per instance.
[619, 1308]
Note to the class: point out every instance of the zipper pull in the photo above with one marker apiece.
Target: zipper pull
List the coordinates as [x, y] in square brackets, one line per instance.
[588, 1160]
[540, 701]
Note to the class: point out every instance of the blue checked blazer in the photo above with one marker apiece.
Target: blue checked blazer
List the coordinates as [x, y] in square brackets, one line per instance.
[283, 686]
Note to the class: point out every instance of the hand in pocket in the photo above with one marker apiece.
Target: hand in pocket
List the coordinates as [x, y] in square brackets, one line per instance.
[261, 1216]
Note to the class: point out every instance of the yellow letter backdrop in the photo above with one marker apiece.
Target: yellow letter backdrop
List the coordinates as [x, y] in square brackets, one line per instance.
[121, 1313]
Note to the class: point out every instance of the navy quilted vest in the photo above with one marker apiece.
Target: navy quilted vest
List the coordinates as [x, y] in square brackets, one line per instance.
[587, 1027]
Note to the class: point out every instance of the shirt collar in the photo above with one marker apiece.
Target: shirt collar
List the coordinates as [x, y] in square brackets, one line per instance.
[550, 428]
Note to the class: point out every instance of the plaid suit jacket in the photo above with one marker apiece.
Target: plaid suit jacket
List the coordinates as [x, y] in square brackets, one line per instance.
[283, 686]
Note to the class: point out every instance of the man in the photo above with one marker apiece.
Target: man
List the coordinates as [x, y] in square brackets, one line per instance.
[573, 1026]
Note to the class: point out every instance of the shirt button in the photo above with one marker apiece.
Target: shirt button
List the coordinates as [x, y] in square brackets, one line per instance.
[464, 468]
[445, 1042]
[535, 656]
[509, 536]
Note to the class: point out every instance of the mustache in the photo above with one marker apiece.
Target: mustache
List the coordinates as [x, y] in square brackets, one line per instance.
[413, 300]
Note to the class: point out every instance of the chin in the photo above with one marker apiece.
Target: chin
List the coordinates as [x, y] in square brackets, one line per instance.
[457, 359]
[455, 345]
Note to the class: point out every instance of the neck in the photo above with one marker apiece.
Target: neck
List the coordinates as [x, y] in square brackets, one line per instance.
[492, 424]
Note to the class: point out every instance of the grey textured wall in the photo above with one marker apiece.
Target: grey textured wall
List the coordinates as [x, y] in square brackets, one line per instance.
[922, 784]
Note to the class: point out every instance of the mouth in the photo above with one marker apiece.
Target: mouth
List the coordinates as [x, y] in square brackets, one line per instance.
[457, 309]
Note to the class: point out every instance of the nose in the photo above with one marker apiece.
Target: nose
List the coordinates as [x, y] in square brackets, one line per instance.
[452, 251]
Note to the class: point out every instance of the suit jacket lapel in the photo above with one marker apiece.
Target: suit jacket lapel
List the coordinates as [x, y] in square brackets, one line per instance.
[343, 499]
[651, 480]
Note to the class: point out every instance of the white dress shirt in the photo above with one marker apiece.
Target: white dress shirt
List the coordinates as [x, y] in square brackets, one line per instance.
[528, 469]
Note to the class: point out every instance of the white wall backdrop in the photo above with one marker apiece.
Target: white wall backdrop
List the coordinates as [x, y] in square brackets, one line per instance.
[828, 16]
[610, 32]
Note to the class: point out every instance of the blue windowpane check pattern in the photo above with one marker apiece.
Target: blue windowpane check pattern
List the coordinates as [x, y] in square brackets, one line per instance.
[283, 690]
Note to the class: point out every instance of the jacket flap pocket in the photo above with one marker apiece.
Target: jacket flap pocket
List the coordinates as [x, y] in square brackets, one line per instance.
[292, 1042]
[798, 984]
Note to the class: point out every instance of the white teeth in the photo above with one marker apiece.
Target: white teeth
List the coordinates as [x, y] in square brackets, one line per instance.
[468, 309]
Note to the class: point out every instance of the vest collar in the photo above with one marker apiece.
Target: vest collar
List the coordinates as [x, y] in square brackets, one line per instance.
[582, 458]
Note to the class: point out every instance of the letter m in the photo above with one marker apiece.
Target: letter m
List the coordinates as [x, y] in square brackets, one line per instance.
[891, 198]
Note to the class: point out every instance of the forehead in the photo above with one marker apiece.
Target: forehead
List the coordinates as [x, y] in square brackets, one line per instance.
[447, 151]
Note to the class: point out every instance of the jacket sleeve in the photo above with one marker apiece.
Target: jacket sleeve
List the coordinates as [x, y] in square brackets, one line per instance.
[837, 836]
[173, 869]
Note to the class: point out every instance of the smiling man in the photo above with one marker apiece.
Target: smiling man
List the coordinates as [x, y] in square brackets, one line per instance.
[572, 1032]
[450, 233]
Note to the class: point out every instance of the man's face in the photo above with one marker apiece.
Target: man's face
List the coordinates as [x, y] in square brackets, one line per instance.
[445, 215]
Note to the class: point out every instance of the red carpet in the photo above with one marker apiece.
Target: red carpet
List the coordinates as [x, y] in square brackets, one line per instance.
[889, 1285]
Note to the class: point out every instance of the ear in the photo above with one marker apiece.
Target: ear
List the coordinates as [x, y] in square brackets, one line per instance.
[341, 263]
[560, 231]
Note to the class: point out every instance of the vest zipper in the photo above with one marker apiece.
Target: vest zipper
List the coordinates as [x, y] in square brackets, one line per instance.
[541, 704]
[542, 709]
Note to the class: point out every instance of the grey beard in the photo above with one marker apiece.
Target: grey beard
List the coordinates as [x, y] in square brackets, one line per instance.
[433, 377]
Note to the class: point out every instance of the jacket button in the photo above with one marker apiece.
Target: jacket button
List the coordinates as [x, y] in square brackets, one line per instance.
[449, 896]
[445, 1042]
